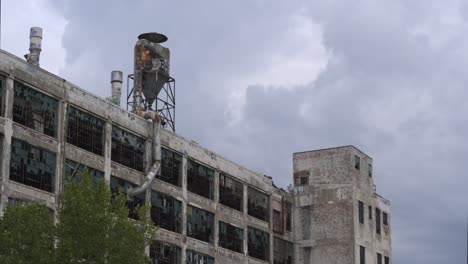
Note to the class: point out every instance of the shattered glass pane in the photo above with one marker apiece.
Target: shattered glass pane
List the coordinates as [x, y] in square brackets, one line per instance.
[231, 192]
[194, 257]
[200, 179]
[166, 211]
[258, 204]
[164, 253]
[200, 224]
[171, 167]
[231, 237]
[72, 168]
[283, 251]
[127, 149]
[258, 244]
[85, 131]
[120, 185]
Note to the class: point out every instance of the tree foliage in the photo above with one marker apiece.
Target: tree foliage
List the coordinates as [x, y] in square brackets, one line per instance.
[93, 227]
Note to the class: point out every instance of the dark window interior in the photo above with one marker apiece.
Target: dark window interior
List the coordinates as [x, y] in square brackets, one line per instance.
[231, 237]
[32, 166]
[362, 255]
[200, 224]
[164, 253]
[200, 179]
[194, 257]
[258, 244]
[283, 251]
[277, 222]
[2, 95]
[119, 185]
[370, 170]
[379, 258]
[85, 131]
[35, 110]
[171, 167]
[357, 162]
[288, 216]
[384, 218]
[387, 260]
[166, 212]
[258, 204]
[370, 212]
[73, 168]
[361, 212]
[230, 192]
[377, 220]
[127, 149]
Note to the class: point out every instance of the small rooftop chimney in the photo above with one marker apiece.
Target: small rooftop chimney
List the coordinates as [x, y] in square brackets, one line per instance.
[35, 41]
[116, 82]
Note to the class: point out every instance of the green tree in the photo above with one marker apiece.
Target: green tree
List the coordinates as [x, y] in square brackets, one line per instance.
[94, 226]
[27, 235]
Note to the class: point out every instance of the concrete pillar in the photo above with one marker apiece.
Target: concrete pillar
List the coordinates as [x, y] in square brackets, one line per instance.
[107, 150]
[61, 138]
[216, 219]
[184, 208]
[244, 207]
[6, 142]
[270, 215]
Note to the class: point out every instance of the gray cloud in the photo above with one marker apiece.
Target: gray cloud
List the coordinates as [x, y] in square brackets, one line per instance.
[393, 86]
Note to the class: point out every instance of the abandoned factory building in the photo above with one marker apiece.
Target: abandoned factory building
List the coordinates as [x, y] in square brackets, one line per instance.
[208, 209]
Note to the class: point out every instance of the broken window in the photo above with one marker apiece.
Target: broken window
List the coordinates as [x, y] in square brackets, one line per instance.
[194, 257]
[231, 237]
[387, 260]
[361, 212]
[258, 244]
[166, 212]
[258, 204]
[288, 216]
[370, 212]
[85, 131]
[32, 166]
[377, 220]
[35, 110]
[231, 192]
[72, 168]
[304, 180]
[164, 253]
[171, 167]
[362, 255]
[200, 179]
[277, 222]
[357, 162]
[384, 218]
[379, 258]
[127, 148]
[200, 224]
[283, 251]
[119, 185]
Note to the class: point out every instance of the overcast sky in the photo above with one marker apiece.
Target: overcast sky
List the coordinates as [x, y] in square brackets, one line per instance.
[258, 80]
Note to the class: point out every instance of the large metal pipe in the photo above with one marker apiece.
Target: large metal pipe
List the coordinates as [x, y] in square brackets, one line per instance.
[35, 45]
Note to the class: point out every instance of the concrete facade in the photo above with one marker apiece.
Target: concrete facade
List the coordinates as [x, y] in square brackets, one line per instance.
[322, 226]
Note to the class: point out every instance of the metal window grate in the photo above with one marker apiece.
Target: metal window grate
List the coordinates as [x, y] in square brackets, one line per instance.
[127, 149]
[200, 224]
[171, 167]
[231, 192]
[258, 204]
[166, 212]
[200, 179]
[231, 237]
[258, 244]
[85, 131]
[35, 110]
[32, 166]
[164, 253]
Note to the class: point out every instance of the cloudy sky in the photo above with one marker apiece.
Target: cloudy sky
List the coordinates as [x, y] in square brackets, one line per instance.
[260, 79]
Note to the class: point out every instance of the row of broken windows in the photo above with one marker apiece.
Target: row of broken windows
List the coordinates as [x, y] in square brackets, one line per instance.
[362, 257]
[378, 215]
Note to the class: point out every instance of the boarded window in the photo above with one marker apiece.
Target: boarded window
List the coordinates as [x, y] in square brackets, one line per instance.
[73, 168]
[379, 258]
[277, 222]
[283, 251]
[200, 224]
[85, 131]
[377, 220]
[258, 244]
[194, 257]
[166, 212]
[231, 192]
[171, 167]
[362, 255]
[231, 237]
[119, 185]
[288, 216]
[35, 110]
[164, 253]
[357, 162]
[127, 149]
[384, 218]
[361, 212]
[200, 179]
[387, 260]
[258, 204]
[32, 166]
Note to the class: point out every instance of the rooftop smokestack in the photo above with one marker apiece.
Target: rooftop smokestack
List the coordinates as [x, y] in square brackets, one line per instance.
[35, 42]
[116, 82]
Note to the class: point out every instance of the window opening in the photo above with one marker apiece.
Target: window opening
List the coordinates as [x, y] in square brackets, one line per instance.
[357, 162]
[387, 260]
[73, 167]
[127, 148]
[258, 204]
[166, 212]
[384, 218]
[231, 237]
[370, 170]
[377, 220]
[119, 185]
[200, 224]
[362, 255]
[370, 212]
[361, 212]
[171, 167]
[379, 258]
[32, 166]
[231, 192]
[288, 216]
[194, 257]
[85, 131]
[2, 97]
[304, 180]
[164, 253]
[200, 179]
[35, 110]
[277, 222]
[258, 244]
[283, 251]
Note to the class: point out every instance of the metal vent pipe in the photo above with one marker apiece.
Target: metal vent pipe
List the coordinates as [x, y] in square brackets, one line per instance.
[116, 82]
[35, 45]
